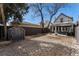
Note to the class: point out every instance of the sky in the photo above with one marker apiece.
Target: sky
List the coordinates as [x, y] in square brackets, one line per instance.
[70, 9]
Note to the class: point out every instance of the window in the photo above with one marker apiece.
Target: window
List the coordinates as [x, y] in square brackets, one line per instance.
[61, 20]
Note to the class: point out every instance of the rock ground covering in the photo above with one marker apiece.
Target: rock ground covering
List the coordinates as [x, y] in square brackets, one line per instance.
[43, 45]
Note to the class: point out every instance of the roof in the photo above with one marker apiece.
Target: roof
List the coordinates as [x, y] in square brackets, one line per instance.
[63, 15]
[27, 24]
[33, 26]
[30, 26]
[63, 24]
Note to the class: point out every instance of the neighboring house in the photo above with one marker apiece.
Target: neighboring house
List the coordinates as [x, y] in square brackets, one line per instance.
[63, 24]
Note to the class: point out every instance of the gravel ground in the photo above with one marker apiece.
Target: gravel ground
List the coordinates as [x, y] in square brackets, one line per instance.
[44, 45]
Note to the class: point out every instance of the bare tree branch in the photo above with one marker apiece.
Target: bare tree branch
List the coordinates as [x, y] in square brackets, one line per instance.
[38, 11]
[53, 10]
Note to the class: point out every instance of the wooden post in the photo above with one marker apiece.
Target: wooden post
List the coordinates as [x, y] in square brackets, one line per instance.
[4, 22]
[72, 27]
[61, 28]
[55, 29]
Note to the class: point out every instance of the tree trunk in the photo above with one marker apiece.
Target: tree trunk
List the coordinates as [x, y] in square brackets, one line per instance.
[42, 20]
[4, 22]
[49, 21]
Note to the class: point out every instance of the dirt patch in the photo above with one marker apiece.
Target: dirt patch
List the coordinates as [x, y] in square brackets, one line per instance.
[63, 39]
[33, 48]
[37, 46]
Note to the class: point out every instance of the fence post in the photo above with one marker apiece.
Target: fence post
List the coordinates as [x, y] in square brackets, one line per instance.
[77, 33]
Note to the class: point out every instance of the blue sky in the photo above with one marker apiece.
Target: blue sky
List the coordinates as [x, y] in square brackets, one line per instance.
[70, 9]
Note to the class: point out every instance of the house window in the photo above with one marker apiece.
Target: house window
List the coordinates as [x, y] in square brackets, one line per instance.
[61, 20]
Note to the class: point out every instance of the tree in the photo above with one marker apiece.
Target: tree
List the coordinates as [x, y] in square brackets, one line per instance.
[3, 19]
[15, 10]
[12, 11]
[52, 10]
[38, 11]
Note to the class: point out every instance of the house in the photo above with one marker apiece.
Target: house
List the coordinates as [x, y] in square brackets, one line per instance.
[63, 24]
